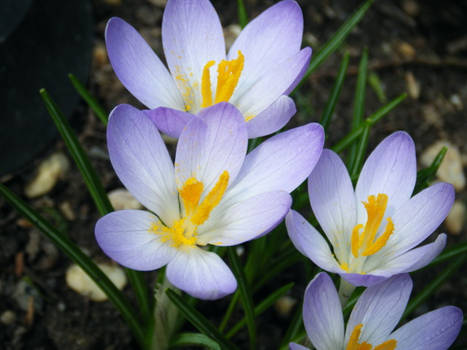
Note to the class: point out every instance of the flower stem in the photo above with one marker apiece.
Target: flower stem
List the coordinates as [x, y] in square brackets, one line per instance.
[345, 291]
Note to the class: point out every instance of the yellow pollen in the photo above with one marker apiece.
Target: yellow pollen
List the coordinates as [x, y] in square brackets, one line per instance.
[353, 343]
[249, 117]
[228, 74]
[345, 267]
[183, 232]
[375, 208]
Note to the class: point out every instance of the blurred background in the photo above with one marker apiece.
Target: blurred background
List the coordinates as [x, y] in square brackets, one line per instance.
[418, 47]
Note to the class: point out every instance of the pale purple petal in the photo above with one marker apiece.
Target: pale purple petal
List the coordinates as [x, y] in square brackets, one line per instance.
[415, 220]
[170, 121]
[254, 96]
[273, 118]
[273, 36]
[322, 314]
[390, 169]
[309, 242]
[295, 346]
[142, 162]
[192, 36]
[235, 223]
[379, 309]
[333, 201]
[435, 330]
[280, 163]
[214, 141]
[365, 280]
[125, 237]
[138, 67]
[201, 274]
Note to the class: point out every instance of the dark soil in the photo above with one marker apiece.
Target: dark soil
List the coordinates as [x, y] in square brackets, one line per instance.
[427, 39]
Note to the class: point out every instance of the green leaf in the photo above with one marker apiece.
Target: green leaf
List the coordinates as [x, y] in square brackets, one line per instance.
[335, 93]
[95, 188]
[190, 339]
[377, 86]
[245, 295]
[242, 15]
[359, 103]
[336, 40]
[449, 253]
[370, 121]
[263, 306]
[425, 176]
[90, 100]
[360, 153]
[77, 256]
[198, 320]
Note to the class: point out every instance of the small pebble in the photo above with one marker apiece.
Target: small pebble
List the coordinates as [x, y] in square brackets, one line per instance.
[24, 223]
[231, 33]
[50, 171]
[451, 168]
[411, 7]
[80, 282]
[413, 86]
[67, 210]
[456, 218]
[456, 102]
[121, 199]
[406, 50]
[284, 305]
[8, 317]
[99, 55]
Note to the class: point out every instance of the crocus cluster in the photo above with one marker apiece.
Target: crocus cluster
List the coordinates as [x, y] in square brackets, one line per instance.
[214, 193]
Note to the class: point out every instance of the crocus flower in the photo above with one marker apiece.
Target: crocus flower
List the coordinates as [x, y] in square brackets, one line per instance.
[374, 229]
[261, 68]
[214, 195]
[373, 319]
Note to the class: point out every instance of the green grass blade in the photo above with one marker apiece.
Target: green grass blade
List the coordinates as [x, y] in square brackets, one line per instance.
[94, 186]
[360, 153]
[359, 103]
[190, 339]
[263, 306]
[425, 176]
[245, 295]
[450, 253]
[336, 40]
[295, 327]
[370, 121]
[335, 92]
[198, 320]
[78, 257]
[433, 286]
[242, 15]
[90, 100]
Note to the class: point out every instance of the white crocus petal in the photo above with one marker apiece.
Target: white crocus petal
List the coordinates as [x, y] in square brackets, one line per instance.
[213, 142]
[309, 242]
[234, 224]
[379, 309]
[322, 314]
[390, 169]
[124, 236]
[201, 274]
[333, 201]
[142, 162]
[435, 330]
[191, 36]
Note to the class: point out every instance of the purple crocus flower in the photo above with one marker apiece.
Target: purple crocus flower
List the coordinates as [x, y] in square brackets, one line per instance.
[373, 319]
[373, 230]
[261, 68]
[214, 195]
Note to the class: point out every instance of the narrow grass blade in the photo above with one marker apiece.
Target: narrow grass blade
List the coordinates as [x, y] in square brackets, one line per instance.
[190, 339]
[370, 121]
[360, 153]
[198, 320]
[377, 86]
[359, 103]
[245, 295]
[425, 176]
[336, 40]
[77, 256]
[295, 327]
[242, 15]
[94, 186]
[335, 92]
[90, 100]
[449, 253]
[263, 306]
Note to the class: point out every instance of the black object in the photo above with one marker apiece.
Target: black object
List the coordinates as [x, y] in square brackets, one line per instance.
[54, 39]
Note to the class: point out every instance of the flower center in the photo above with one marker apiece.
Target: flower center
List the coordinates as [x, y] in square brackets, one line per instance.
[353, 343]
[184, 231]
[228, 74]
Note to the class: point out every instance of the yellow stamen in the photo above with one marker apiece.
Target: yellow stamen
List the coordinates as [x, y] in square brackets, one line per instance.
[387, 345]
[175, 234]
[249, 117]
[190, 194]
[345, 267]
[228, 74]
[375, 208]
[211, 200]
[353, 340]
[353, 343]
[206, 92]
